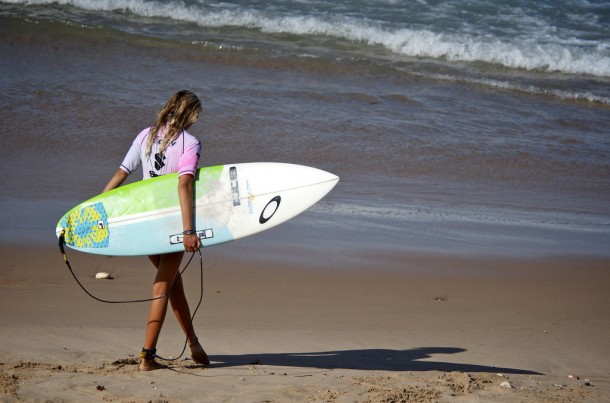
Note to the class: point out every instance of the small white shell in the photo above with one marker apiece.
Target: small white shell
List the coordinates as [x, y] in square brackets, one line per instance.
[507, 385]
[103, 275]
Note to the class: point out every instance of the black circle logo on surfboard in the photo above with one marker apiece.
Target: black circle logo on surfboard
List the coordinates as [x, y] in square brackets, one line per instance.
[270, 209]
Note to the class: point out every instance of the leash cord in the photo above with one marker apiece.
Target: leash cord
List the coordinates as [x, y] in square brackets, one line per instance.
[63, 252]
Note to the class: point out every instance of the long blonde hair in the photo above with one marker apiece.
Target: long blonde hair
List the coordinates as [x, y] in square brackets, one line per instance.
[180, 112]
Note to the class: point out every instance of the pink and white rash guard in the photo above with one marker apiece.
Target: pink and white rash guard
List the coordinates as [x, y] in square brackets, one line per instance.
[181, 155]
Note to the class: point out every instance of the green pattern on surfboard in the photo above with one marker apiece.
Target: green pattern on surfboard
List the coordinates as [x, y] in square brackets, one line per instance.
[86, 225]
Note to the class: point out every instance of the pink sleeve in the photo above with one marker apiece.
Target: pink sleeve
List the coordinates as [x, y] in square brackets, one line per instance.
[190, 158]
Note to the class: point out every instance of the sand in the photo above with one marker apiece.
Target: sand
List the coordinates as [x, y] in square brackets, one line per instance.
[413, 328]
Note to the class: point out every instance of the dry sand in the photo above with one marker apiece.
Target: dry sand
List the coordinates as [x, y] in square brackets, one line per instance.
[412, 328]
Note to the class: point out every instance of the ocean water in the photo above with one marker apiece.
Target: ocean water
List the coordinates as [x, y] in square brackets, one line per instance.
[557, 47]
[465, 127]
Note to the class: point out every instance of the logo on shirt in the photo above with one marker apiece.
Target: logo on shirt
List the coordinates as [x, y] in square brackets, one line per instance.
[159, 164]
[159, 161]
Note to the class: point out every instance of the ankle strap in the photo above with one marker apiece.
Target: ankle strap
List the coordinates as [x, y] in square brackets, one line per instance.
[148, 353]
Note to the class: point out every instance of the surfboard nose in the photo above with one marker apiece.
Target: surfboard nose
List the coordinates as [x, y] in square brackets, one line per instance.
[324, 176]
[328, 178]
[305, 174]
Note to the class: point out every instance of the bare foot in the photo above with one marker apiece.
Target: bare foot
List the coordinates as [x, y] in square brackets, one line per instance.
[198, 354]
[150, 365]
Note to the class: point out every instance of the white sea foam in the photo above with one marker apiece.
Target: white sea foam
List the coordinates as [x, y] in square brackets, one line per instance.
[400, 215]
[539, 49]
[462, 229]
[572, 95]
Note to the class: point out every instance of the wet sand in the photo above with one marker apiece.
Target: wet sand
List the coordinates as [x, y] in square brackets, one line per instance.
[440, 329]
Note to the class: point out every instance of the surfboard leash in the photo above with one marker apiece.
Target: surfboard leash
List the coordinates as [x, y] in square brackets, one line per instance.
[63, 252]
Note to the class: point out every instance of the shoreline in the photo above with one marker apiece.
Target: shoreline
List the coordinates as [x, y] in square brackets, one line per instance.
[291, 332]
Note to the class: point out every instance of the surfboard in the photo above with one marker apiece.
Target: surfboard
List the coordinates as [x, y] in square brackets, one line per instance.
[230, 202]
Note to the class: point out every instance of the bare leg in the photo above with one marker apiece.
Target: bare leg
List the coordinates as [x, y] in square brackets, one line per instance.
[183, 314]
[167, 268]
[179, 305]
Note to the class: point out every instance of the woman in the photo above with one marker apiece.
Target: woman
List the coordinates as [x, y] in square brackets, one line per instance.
[164, 148]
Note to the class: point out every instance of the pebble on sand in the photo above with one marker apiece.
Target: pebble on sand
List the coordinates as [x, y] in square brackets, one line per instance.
[507, 385]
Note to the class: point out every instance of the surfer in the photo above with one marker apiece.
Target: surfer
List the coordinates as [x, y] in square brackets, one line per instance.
[163, 148]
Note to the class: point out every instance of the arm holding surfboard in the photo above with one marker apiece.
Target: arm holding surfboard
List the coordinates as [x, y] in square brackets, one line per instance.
[185, 193]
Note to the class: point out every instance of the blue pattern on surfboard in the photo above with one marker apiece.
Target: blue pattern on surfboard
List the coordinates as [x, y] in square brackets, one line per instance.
[87, 227]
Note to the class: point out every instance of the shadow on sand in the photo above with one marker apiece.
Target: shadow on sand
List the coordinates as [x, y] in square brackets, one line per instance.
[371, 359]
